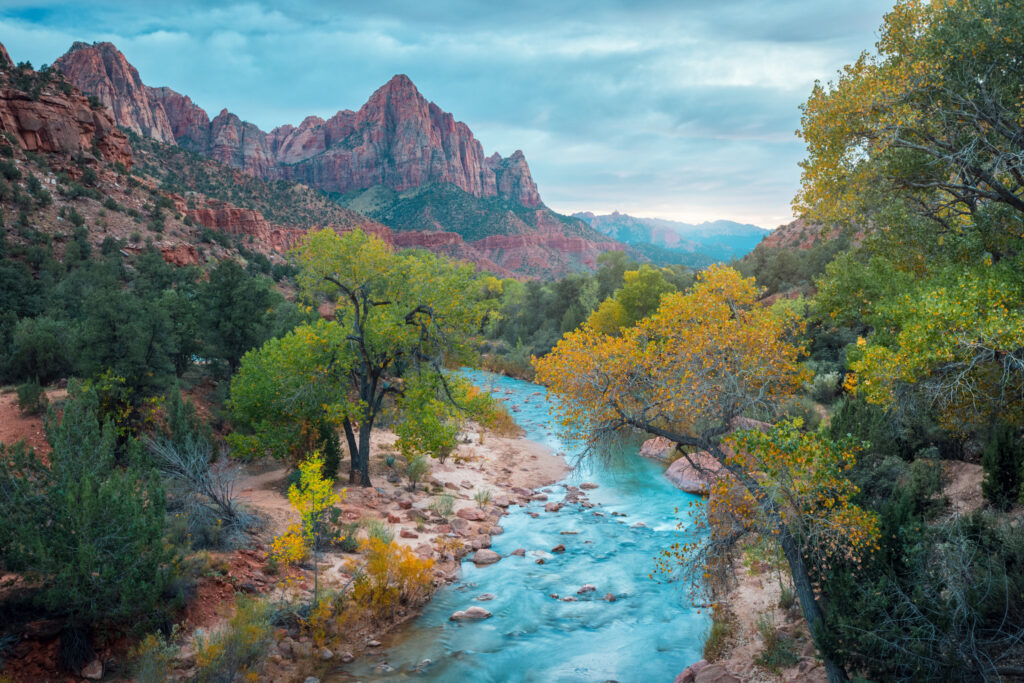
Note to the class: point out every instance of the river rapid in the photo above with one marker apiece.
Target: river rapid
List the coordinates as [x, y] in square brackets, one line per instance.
[648, 634]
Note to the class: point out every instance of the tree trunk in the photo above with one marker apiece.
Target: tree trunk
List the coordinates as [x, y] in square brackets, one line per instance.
[353, 452]
[808, 603]
[364, 453]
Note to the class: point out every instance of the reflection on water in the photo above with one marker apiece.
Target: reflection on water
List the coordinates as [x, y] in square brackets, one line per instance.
[649, 634]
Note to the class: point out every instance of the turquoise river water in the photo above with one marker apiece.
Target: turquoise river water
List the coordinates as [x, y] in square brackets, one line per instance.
[648, 635]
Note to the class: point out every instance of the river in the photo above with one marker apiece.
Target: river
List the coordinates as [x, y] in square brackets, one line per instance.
[648, 634]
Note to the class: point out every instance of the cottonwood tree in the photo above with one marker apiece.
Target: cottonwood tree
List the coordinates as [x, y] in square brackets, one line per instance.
[687, 373]
[923, 141]
[396, 315]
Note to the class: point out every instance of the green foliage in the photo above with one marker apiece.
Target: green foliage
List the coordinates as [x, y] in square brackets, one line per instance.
[286, 393]
[40, 349]
[235, 308]
[443, 504]
[777, 650]
[718, 636]
[239, 647]
[32, 398]
[1003, 462]
[416, 468]
[88, 530]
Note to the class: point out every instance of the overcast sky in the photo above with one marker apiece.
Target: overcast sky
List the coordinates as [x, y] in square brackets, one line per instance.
[682, 109]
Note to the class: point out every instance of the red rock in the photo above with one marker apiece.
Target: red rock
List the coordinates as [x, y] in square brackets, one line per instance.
[558, 548]
[586, 588]
[393, 518]
[698, 476]
[405, 504]
[56, 123]
[715, 673]
[406, 533]
[519, 552]
[101, 70]
[5, 59]
[658, 448]
[589, 486]
[472, 514]
[552, 507]
[484, 556]
[609, 597]
[180, 255]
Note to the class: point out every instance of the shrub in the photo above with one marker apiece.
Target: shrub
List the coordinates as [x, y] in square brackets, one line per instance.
[391, 576]
[32, 398]
[779, 651]
[415, 470]
[482, 497]
[235, 651]
[41, 349]
[443, 504]
[719, 634]
[378, 530]
[89, 529]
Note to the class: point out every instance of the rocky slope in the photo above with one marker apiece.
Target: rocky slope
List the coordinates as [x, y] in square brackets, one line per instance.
[440, 188]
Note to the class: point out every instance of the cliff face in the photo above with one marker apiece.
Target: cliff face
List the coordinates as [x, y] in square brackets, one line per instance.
[101, 70]
[397, 139]
[57, 122]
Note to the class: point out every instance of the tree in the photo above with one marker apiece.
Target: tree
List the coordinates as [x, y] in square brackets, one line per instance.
[314, 499]
[400, 313]
[688, 373]
[89, 531]
[641, 292]
[286, 394]
[922, 143]
[235, 307]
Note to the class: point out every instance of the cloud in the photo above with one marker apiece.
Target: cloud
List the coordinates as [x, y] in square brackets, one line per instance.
[672, 108]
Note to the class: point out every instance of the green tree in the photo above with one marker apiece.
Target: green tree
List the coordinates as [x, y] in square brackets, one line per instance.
[235, 308]
[89, 531]
[400, 313]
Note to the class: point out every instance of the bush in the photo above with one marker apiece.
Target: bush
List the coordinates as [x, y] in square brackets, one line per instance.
[779, 651]
[90, 530]
[416, 469]
[443, 505]
[32, 398]
[719, 634]
[40, 350]
[805, 409]
[482, 497]
[235, 651]
[391, 576]
[378, 530]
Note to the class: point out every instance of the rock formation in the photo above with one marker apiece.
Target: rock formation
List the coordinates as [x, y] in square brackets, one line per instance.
[397, 139]
[101, 70]
[59, 123]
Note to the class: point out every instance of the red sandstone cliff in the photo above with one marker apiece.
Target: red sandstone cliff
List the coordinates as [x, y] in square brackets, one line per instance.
[101, 70]
[397, 139]
[58, 123]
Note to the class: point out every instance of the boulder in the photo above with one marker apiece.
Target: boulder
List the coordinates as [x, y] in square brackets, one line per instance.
[715, 673]
[658, 448]
[588, 486]
[472, 514]
[609, 597]
[519, 552]
[586, 588]
[408, 533]
[485, 557]
[552, 507]
[470, 613]
[484, 597]
[695, 473]
[558, 548]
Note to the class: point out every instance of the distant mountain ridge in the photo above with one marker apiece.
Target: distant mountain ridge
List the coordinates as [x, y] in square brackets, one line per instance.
[720, 240]
[394, 146]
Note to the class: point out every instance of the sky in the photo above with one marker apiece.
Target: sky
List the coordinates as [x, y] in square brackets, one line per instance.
[678, 109]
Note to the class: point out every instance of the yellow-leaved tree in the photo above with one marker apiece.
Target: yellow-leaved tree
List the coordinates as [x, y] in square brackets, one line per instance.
[314, 498]
[690, 373]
